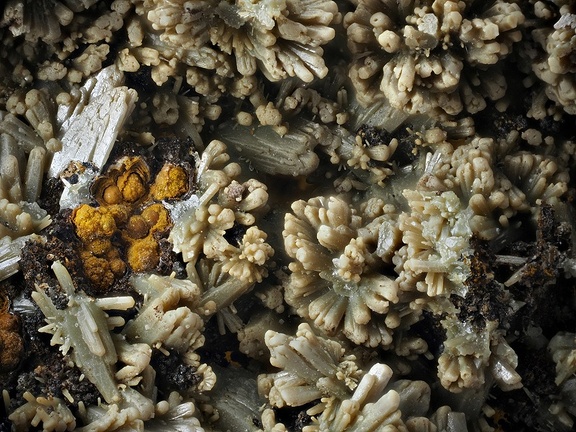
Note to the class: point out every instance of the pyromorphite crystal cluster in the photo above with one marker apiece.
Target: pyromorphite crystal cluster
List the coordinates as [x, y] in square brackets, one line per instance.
[285, 215]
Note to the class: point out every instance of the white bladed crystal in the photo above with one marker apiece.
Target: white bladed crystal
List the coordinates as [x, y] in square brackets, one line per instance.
[91, 129]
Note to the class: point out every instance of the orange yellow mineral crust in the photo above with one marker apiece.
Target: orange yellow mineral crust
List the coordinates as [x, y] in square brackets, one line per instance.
[125, 182]
[11, 344]
[127, 207]
[95, 227]
[171, 182]
[104, 269]
[143, 254]
[93, 223]
[141, 236]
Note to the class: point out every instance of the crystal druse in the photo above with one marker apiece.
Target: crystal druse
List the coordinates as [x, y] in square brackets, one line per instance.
[284, 215]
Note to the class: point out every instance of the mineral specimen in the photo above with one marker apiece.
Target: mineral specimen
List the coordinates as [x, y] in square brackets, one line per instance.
[282, 215]
[337, 278]
[409, 52]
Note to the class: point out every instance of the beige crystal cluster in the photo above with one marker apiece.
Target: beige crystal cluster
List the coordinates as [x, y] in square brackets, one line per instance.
[282, 215]
[430, 56]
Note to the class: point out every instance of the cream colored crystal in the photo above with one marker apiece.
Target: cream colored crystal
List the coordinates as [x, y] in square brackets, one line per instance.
[335, 279]
[312, 367]
[409, 53]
